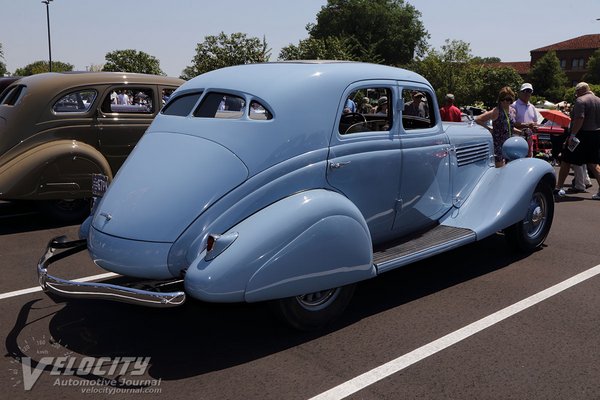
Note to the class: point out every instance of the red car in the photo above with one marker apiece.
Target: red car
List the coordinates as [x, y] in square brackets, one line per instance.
[543, 135]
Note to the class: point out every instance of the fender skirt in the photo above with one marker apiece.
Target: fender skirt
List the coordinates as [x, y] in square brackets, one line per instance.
[307, 242]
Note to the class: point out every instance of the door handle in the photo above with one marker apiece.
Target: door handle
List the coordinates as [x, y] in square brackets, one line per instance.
[337, 165]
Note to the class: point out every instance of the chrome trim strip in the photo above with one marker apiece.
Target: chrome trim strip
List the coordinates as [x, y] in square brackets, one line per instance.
[96, 290]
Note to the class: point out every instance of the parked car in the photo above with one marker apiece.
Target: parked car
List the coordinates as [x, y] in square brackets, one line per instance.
[58, 129]
[254, 184]
[543, 136]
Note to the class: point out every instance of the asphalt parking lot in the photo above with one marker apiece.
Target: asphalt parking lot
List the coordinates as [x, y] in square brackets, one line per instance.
[480, 322]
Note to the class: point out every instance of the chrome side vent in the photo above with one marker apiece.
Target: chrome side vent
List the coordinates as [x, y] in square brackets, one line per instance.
[471, 153]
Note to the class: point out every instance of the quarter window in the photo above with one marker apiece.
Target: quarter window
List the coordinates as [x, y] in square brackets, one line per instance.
[221, 105]
[75, 102]
[258, 111]
[12, 95]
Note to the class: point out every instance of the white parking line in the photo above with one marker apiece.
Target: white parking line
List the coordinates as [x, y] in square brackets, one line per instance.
[37, 288]
[370, 377]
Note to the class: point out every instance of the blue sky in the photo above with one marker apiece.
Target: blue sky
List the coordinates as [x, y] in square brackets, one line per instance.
[83, 31]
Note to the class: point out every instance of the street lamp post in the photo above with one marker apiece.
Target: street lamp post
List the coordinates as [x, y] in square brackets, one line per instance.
[47, 3]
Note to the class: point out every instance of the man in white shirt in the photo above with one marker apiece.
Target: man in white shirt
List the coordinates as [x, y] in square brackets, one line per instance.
[527, 115]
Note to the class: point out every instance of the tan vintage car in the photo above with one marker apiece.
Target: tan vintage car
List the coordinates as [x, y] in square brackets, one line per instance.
[57, 129]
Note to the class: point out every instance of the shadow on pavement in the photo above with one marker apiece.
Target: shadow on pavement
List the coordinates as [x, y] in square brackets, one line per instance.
[20, 217]
[198, 338]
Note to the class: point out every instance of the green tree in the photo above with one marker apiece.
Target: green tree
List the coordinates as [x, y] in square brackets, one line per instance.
[390, 29]
[451, 70]
[548, 78]
[486, 60]
[495, 78]
[132, 61]
[331, 48]
[226, 50]
[593, 67]
[39, 67]
[2, 64]
[570, 92]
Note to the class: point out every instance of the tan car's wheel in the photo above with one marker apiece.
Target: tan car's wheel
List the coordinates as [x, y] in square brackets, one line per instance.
[66, 210]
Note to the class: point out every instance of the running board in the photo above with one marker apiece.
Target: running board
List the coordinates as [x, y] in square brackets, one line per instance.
[437, 240]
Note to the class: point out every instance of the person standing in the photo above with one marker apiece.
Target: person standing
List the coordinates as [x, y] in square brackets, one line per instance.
[449, 112]
[527, 116]
[503, 122]
[417, 106]
[585, 128]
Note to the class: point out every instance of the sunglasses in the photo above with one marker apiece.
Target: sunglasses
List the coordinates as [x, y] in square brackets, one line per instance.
[527, 91]
[506, 99]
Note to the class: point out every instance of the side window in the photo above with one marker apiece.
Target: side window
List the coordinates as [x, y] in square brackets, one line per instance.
[221, 105]
[367, 110]
[165, 95]
[417, 113]
[258, 111]
[182, 105]
[11, 95]
[129, 100]
[79, 101]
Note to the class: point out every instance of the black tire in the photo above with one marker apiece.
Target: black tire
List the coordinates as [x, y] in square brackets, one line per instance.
[530, 233]
[314, 310]
[67, 210]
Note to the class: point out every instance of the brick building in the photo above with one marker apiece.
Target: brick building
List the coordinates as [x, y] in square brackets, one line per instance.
[573, 55]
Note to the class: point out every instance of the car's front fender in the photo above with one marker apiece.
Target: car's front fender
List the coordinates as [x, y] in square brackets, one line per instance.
[310, 241]
[501, 198]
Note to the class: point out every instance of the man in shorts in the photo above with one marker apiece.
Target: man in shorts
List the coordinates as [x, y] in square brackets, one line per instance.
[585, 126]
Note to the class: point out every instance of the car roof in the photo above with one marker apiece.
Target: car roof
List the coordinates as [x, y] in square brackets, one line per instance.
[57, 81]
[298, 78]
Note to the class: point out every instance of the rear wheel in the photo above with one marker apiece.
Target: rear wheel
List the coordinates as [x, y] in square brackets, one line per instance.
[66, 210]
[314, 310]
[530, 233]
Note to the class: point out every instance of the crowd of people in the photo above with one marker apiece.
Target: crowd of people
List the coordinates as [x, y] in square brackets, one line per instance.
[577, 149]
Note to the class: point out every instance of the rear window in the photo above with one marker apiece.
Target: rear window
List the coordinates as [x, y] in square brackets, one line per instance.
[182, 105]
[221, 105]
[79, 101]
[11, 95]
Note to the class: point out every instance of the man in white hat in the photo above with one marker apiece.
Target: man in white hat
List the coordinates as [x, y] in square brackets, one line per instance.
[527, 115]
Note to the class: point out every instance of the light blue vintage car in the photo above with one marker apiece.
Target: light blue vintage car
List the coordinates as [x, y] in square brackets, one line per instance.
[291, 182]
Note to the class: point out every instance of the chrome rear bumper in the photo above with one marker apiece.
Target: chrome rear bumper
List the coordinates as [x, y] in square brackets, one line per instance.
[93, 290]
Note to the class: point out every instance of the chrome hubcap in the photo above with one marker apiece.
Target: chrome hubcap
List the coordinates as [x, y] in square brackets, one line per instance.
[317, 300]
[536, 216]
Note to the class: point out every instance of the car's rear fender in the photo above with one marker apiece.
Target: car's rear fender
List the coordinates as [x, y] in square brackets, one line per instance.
[53, 170]
[310, 241]
[501, 197]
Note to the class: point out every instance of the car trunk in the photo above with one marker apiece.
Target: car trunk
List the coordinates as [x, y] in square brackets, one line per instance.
[167, 181]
